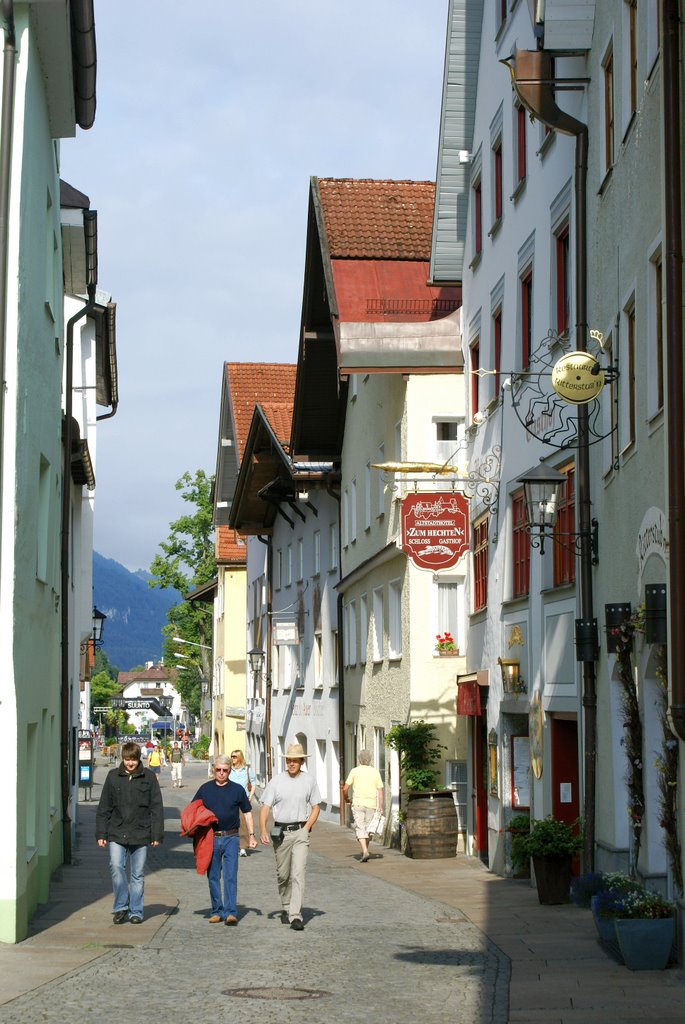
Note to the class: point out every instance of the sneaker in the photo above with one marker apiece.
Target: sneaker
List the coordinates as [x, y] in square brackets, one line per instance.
[231, 919]
[215, 919]
[243, 853]
[120, 916]
[135, 919]
[297, 925]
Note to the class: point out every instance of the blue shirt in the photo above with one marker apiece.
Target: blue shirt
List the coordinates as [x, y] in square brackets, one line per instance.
[225, 802]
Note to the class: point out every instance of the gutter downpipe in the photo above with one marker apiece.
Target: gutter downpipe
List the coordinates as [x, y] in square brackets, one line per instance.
[341, 669]
[533, 80]
[674, 359]
[90, 231]
[267, 654]
[6, 130]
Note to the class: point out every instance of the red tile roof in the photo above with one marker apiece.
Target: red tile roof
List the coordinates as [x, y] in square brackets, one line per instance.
[230, 546]
[271, 385]
[391, 220]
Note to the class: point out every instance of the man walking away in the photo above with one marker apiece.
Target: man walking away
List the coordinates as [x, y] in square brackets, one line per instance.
[130, 817]
[294, 798]
[177, 759]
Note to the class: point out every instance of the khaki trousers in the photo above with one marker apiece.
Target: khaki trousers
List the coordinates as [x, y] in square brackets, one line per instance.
[291, 862]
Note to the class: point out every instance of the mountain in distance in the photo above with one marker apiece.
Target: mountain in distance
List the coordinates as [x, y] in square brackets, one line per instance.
[132, 632]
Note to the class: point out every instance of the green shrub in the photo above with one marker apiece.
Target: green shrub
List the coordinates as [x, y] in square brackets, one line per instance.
[550, 837]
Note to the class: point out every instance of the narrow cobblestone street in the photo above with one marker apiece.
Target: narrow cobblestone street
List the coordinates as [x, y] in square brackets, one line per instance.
[400, 940]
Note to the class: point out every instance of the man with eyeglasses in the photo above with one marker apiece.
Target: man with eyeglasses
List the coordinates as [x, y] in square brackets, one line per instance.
[130, 817]
[294, 798]
[225, 799]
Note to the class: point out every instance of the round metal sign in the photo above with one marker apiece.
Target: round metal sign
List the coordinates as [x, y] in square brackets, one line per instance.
[577, 378]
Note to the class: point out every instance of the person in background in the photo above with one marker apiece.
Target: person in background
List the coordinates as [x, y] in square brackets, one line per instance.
[367, 787]
[242, 773]
[176, 761]
[225, 799]
[155, 760]
[130, 817]
[294, 798]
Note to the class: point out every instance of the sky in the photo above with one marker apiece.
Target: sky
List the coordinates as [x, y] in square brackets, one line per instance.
[211, 119]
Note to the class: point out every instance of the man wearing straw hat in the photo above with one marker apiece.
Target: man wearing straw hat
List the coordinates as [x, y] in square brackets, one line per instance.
[294, 798]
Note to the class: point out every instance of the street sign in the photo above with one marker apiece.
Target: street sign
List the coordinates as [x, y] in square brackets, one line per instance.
[435, 529]
[101, 711]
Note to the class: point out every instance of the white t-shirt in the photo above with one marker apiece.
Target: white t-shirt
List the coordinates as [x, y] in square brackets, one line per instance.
[291, 799]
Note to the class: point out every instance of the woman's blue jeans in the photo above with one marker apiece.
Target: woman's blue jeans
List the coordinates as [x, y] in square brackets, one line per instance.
[224, 865]
[127, 896]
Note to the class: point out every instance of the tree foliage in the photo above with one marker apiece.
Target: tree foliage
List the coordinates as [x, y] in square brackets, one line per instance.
[418, 750]
[103, 664]
[102, 689]
[187, 561]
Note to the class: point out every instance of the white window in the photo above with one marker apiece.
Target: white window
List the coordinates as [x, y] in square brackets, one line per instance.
[655, 334]
[352, 632]
[318, 661]
[450, 605]
[300, 559]
[381, 483]
[378, 615]
[278, 569]
[333, 546]
[317, 552]
[379, 751]
[289, 566]
[395, 619]
[363, 627]
[297, 666]
[334, 655]
[277, 666]
[345, 518]
[353, 510]
[456, 780]
[449, 434]
[367, 496]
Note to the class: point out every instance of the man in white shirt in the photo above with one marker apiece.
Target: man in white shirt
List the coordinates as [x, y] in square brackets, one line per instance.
[294, 798]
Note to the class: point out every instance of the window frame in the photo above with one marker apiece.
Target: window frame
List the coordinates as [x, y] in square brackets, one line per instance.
[395, 620]
[520, 546]
[480, 530]
[564, 548]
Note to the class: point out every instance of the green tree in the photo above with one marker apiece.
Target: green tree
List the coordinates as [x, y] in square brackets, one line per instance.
[188, 561]
[103, 664]
[102, 689]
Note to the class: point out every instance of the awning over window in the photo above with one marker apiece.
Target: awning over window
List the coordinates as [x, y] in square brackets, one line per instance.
[468, 699]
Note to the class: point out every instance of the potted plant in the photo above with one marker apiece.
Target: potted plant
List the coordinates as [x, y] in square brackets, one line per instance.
[643, 925]
[603, 902]
[551, 845]
[431, 824]
[446, 645]
[519, 829]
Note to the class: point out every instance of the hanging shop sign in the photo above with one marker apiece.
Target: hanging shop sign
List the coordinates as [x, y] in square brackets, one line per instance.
[435, 529]
[577, 378]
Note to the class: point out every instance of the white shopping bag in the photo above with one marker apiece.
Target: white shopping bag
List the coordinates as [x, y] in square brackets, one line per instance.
[377, 824]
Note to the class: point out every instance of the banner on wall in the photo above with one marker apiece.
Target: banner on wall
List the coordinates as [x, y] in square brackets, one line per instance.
[435, 529]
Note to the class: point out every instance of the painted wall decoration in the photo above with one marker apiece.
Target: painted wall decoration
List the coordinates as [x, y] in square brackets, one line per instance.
[435, 529]
[535, 732]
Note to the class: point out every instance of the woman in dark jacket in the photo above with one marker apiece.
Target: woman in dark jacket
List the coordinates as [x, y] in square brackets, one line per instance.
[130, 817]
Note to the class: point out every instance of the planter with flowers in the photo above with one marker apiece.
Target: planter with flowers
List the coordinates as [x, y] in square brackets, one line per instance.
[446, 645]
[644, 926]
[551, 845]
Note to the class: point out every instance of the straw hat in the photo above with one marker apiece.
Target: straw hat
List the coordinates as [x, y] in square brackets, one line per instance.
[296, 750]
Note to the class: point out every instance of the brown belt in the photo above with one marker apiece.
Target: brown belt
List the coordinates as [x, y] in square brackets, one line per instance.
[231, 832]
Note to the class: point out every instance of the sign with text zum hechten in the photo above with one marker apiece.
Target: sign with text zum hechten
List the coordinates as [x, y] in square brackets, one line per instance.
[435, 529]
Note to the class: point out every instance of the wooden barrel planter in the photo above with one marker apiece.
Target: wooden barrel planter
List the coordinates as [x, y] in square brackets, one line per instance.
[431, 825]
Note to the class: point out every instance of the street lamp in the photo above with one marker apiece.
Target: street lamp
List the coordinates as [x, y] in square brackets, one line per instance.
[180, 640]
[541, 496]
[98, 622]
[256, 659]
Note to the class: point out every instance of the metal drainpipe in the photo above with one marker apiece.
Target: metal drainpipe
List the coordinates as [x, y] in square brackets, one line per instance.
[267, 653]
[673, 260]
[64, 571]
[532, 77]
[341, 667]
[6, 129]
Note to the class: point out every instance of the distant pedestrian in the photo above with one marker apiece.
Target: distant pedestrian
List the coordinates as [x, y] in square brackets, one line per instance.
[177, 760]
[242, 773]
[367, 800]
[156, 760]
[130, 817]
[225, 799]
[294, 798]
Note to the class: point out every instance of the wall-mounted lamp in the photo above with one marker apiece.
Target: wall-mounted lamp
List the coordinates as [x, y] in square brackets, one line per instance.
[655, 613]
[587, 640]
[614, 617]
[256, 659]
[98, 622]
[511, 675]
[541, 495]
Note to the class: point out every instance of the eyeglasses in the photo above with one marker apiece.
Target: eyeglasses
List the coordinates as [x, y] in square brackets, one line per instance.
[222, 769]
[234, 757]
